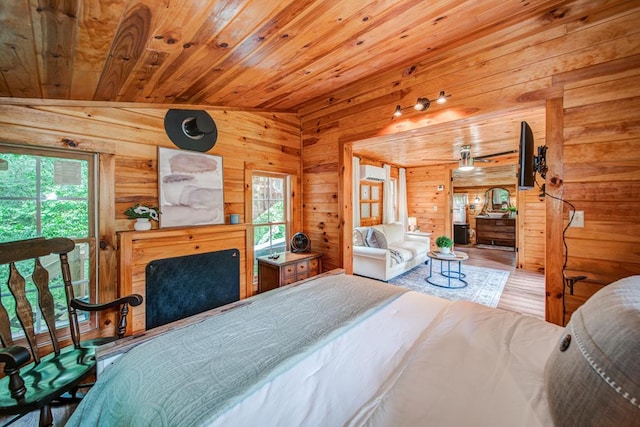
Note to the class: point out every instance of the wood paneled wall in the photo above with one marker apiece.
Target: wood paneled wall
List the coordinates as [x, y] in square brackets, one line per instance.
[587, 54]
[127, 137]
[531, 230]
[428, 203]
[601, 174]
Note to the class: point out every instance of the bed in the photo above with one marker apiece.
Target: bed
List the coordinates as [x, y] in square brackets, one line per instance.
[334, 350]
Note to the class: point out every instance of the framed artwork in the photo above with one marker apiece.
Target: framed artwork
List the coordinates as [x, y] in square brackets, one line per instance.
[191, 188]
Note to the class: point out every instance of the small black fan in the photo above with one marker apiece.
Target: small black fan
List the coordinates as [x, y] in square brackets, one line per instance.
[300, 243]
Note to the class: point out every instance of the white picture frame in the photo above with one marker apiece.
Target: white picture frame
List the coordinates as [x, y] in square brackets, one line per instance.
[191, 188]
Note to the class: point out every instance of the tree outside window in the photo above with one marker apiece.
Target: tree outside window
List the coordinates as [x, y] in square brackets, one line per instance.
[48, 194]
[270, 216]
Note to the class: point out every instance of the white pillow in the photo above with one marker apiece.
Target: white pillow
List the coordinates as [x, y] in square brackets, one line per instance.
[376, 239]
[592, 378]
[394, 232]
[358, 238]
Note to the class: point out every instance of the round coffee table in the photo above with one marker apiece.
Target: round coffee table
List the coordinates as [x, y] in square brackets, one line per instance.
[457, 276]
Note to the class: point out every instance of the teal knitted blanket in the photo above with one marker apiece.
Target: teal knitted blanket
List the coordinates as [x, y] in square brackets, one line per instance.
[192, 375]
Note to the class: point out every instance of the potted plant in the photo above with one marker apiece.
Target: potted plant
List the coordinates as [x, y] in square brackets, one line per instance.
[512, 211]
[445, 244]
[142, 214]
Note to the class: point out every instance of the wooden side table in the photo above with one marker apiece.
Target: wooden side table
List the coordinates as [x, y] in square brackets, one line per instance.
[288, 268]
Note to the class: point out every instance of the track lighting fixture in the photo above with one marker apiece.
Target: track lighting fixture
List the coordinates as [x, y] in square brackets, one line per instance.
[422, 104]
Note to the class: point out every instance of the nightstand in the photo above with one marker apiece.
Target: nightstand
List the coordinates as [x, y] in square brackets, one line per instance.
[288, 268]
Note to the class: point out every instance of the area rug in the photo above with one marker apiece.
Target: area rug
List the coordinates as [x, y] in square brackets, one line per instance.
[485, 284]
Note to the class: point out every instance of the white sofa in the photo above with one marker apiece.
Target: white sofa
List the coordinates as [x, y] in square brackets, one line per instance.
[385, 251]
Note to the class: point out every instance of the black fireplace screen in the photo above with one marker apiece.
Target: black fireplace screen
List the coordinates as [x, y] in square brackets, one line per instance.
[183, 286]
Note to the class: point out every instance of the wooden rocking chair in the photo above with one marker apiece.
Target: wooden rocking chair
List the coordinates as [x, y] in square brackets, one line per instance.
[38, 384]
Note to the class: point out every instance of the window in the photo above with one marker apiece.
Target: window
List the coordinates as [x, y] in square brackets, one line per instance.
[50, 194]
[270, 214]
[370, 203]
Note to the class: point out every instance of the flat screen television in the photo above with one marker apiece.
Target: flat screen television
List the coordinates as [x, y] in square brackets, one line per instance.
[526, 170]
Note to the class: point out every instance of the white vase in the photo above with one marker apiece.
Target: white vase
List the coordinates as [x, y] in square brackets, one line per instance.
[445, 250]
[142, 224]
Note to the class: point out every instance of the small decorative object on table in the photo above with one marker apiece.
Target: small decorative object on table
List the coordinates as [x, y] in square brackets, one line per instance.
[142, 214]
[445, 244]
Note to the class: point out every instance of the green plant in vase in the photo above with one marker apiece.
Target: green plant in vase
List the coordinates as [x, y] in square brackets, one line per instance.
[445, 244]
[142, 214]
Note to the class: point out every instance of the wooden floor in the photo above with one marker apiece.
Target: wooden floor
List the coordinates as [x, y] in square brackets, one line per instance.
[524, 292]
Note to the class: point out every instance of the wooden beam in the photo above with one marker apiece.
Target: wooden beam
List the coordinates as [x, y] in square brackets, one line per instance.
[345, 197]
[554, 212]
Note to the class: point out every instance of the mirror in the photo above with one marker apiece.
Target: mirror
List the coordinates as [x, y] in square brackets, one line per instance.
[497, 200]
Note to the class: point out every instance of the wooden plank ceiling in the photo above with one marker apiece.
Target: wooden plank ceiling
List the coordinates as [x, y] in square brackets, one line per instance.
[494, 139]
[274, 55]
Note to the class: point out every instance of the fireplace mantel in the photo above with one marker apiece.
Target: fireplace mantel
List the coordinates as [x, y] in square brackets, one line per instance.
[137, 248]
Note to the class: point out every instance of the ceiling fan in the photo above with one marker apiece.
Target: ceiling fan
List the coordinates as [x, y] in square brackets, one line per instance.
[487, 158]
[466, 161]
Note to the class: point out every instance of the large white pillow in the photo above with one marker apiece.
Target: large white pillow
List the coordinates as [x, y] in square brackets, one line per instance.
[592, 378]
[394, 232]
[376, 238]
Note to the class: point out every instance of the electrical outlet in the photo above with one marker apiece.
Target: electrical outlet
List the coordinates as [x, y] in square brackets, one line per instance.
[577, 218]
[435, 208]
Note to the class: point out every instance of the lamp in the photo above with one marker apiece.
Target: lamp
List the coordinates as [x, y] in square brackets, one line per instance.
[466, 161]
[412, 222]
[422, 104]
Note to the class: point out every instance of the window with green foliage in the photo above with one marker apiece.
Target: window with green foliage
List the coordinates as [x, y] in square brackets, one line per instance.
[48, 194]
[270, 214]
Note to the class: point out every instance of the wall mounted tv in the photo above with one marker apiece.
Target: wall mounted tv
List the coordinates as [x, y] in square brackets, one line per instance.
[528, 163]
[526, 171]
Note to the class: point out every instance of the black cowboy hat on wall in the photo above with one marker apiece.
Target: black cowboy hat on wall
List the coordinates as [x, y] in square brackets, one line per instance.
[191, 129]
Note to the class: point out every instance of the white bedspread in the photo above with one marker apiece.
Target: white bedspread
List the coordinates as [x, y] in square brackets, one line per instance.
[421, 361]
[415, 360]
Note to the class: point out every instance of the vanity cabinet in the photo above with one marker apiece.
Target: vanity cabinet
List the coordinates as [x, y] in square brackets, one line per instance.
[496, 231]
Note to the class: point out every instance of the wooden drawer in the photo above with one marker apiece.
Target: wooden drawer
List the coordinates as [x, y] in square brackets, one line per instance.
[498, 232]
[289, 270]
[314, 266]
[288, 280]
[302, 267]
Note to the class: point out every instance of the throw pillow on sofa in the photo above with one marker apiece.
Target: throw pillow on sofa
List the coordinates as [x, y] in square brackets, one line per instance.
[376, 239]
[358, 238]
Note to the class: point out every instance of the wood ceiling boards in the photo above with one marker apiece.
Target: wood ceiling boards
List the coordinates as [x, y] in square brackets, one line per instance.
[276, 54]
[273, 55]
